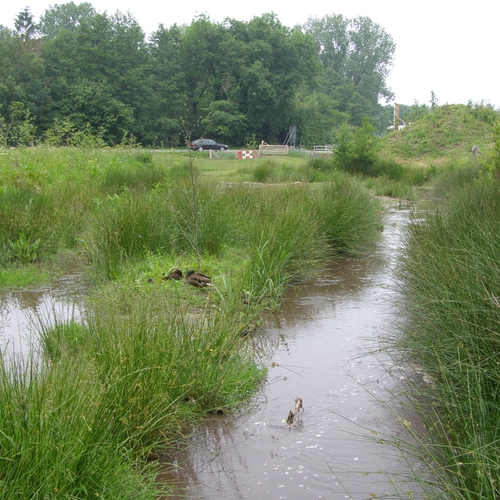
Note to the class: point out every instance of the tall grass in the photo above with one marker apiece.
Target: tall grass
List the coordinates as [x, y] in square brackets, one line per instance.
[274, 220]
[47, 194]
[219, 219]
[53, 216]
[263, 171]
[451, 284]
[56, 436]
[350, 227]
[283, 239]
[163, 365]
[151, 357]
[128, 381]
[134, 172]
[124, 228]
[455, 175]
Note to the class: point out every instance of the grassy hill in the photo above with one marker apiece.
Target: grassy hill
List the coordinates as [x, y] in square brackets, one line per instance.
[445, 133]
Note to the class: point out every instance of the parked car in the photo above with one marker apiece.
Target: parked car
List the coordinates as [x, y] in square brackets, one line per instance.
[204, 144]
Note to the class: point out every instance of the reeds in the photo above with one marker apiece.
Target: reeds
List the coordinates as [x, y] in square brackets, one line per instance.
[56, 436]
[451, 283]
[82, 418]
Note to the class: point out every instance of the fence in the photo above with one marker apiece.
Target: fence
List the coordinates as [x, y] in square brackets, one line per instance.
[326, 150]
[273, 149]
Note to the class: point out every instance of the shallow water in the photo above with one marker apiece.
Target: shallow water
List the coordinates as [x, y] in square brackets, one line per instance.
[314, 348]
[22, 313]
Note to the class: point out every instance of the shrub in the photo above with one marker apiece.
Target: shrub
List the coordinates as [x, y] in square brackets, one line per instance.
[356, 151]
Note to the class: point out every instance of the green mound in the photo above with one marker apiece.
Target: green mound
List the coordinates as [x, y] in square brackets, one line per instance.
[445, 132]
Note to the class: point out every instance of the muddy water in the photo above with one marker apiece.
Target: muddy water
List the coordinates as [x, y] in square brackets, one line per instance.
[23, 312]
[314, 348]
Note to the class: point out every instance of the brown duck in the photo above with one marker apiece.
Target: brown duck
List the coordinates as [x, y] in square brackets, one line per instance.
[198, 279]
[174, 275]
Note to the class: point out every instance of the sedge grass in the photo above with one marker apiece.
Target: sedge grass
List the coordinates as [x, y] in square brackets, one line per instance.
[111, 391]
[129, 226]
[352, 227]
[450, 282]
[162, 366]
[56, 439]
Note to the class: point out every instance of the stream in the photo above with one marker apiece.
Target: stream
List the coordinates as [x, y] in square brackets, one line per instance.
[314, 348]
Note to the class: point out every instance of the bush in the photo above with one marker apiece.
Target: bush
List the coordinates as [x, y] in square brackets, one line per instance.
[356, 151]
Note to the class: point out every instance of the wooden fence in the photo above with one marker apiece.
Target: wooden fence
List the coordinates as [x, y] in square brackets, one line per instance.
[273, 149]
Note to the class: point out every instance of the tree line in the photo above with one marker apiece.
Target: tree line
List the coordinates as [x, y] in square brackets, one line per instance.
[77, 74]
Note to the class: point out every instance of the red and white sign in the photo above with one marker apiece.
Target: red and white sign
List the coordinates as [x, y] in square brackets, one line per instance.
[247, 155]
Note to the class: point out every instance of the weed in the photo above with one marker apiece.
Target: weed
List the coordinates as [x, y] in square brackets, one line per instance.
[24, 249]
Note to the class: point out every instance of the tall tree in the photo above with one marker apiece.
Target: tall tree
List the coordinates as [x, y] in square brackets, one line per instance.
[105, 60]
[25, 24]
[22, 74]
[357, 56]
[4, 31]
[170, 92]
[266, 63]
[231, 80]
[202, 58]
[67, 16]
[317, 117]
[236, 78]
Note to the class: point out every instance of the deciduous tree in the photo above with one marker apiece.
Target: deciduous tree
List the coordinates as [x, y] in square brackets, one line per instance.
[357, 55]
[67, 16]
[104, 61]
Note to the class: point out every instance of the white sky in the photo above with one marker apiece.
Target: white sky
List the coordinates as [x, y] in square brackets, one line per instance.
[450, 48]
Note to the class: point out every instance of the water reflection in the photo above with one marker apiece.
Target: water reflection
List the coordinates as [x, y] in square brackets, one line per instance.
[312, 349]
[22, 312]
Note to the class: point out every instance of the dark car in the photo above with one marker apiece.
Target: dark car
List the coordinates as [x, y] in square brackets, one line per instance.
[204, 144]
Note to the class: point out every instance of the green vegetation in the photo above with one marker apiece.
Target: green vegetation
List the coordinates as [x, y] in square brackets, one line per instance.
[150, 357]
[15, 277]
[81, 78]
[449, 283]
[443, 134]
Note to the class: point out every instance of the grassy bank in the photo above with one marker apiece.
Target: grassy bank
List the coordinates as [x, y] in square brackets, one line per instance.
[150, 356]
[451, 287]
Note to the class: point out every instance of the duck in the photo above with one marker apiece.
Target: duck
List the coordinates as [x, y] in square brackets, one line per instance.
[198, 279]
[174, 275]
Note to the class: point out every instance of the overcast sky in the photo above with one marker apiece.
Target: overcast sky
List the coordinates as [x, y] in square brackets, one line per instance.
[450, 48]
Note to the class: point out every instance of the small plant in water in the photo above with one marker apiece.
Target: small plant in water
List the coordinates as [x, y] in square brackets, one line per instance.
[23, 249]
